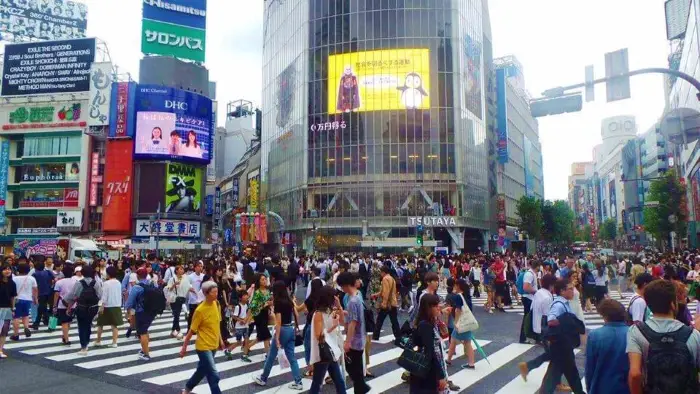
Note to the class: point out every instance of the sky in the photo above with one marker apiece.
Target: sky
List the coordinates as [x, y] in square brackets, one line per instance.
[553, 39]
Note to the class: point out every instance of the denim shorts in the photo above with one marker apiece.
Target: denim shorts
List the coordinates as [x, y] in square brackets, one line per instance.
[241, 333]
[22, 308]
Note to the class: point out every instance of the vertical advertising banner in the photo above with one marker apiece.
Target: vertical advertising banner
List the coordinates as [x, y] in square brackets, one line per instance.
[613, 199]
[472, 50]
[121, 121]
[253, 190]
[4, 168]
[183, 189]
[502, 116]
[118, 190]
[95, 178]
[175, 28]
[501, 219]
[100, 93]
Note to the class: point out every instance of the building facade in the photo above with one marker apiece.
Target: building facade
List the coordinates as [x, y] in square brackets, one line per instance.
[373, 114]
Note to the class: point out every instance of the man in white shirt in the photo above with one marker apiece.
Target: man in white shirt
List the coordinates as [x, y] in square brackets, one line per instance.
[530, 288]
[541, 303]
[195, 297]
[315, 272]
[637, 309]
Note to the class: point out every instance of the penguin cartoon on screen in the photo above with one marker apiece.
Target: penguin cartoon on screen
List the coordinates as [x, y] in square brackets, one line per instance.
[412, 91]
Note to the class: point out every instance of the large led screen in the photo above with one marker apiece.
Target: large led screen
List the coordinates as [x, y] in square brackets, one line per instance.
[392, 79]
[172, 124]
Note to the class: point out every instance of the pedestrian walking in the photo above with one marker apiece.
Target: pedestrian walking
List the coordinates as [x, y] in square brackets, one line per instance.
[325, 328]
[260, 305]
[44, 280]
[206, 323]
[8, 293]
[84, 301]
[179, 286]
[354, 344]
[195, 296]
[427, 338]
[110, 310]
[388, 304]
[27, 295]
[140, 318]
[607, 365]
[541, 303]
[62, 289]
[529, 288]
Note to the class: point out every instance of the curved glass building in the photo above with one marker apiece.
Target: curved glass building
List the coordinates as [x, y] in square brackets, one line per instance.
[374, 123]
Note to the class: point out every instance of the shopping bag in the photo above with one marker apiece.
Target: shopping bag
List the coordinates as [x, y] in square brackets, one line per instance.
[282, 359]
[53, 322]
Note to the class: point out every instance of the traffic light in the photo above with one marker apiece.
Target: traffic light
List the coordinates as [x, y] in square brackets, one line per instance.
[556, 105]
[419, 235]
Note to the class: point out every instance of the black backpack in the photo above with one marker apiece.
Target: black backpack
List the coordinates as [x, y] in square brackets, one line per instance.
[406, 280]
[88, 297]
[670, 367]
[153, 300]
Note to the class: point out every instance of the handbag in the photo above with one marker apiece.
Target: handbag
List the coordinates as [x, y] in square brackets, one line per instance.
[442, 328]
[416, 363]
[53, 322]
[324, 351]
[370, 324]
[467, 322]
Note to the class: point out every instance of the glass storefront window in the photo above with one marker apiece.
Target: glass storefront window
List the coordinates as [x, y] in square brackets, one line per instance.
[50, 198]
[50, 172]
[51, 146]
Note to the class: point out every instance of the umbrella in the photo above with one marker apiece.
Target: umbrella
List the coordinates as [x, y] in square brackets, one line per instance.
[481, 350]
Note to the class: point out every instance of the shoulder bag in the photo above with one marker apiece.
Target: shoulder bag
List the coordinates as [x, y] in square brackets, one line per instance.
[467, 322]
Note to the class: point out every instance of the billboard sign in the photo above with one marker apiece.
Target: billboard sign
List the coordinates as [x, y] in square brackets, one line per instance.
[4, 170]
[35, 247]
[393, 79]
[55, 172]
[183, 189]
[613, 199]
[253, 189]
[502, 116]
[501, 219]
[118, 189]
[168, 228]
[173, 124]
[100, 94]
[69, 220]
[190, 13]
[123, 103]
[48, 67]
[95, 178]
[473, 79]
[42, 19]
[43, 116]
[159, 38]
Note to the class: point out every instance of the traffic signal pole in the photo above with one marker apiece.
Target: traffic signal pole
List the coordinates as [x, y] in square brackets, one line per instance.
[561, 90]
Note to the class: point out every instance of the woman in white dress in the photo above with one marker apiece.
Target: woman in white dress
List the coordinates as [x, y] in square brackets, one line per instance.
[576, 306]
[326, 328]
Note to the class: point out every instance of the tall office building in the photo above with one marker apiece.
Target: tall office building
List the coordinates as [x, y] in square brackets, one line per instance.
[374, 122]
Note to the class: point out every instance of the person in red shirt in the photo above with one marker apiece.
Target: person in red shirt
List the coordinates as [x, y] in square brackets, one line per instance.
[499, 270]
[657, 271]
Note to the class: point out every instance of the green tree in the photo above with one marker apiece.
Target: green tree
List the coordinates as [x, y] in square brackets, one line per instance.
[558, 222]
[529, 210]
[608, 230]
[671, 213]
[584, 234]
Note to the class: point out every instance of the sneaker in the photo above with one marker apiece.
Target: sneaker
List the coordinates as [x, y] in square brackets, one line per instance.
[179, 337]
[467, 366]
[296, 386]
[128, 333]
[491, 311]
[35, 327]
[246, 358]
[228, 355]
[113, 346]
[144, 357]
[83, 352]
[452, 386]
[562, 388]
[97, 344]
[3, 355]
[14, 338]
[523, 371]
[27, 333]
[259, 381]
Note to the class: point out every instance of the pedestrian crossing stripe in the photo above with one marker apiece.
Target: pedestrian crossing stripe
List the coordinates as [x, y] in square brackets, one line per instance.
[534, 380]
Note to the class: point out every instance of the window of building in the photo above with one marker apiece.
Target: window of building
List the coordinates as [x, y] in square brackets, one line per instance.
[51, 146]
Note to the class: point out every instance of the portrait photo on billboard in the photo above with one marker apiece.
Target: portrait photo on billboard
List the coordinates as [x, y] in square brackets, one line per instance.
[172, 124]
[42, 19]
[393, 79]
[473, 76]
[183, 189]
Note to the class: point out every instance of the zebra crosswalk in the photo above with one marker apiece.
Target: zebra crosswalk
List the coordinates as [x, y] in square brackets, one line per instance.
[167, 372]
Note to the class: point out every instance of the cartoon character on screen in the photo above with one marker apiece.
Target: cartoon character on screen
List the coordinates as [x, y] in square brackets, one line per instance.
[412, 91]
[348, 92]
[186, 194]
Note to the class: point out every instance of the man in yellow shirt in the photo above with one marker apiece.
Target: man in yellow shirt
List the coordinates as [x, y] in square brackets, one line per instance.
[388, 305]
[206, 324]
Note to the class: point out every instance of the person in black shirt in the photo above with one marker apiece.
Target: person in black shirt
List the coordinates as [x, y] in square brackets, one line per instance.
[8, 292]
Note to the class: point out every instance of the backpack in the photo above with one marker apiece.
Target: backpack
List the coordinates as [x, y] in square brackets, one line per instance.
[630, 320]
[670, 367]
[520, 282]
[153, 300]
[88, 297]
[406, 281]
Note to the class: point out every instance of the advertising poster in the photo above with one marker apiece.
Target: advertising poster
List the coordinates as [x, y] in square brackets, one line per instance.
[48, 67]
[42, 19]
[472, 50]
[502, 116]
[100, 94]
[118, 190]
[501, 218]
[191, 13]
[172, 124]
[695, 191]
[159, 38]
[123, 108]
[72, 172]
[35, 247]
[613, 199]
[253, 193]
[43, 116]
[4, 169]
[379, 80]
[183, 189]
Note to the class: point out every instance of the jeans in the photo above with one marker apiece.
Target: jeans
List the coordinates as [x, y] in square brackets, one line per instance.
[176, 308]
[333, 370]
[527, 304]
[563, 362]
[43, 312]
[287, 343]
[383, 313]
[307, 343]
[354, 368]
[206, 367]
[476, 289]
[84, 317]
